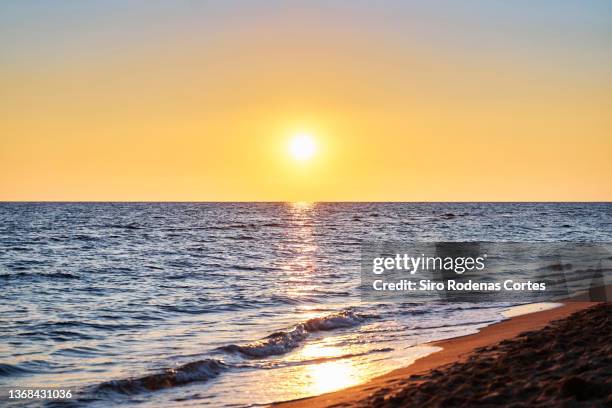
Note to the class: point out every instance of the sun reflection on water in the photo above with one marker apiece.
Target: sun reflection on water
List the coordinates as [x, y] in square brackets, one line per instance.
[318, 350]
[333, 375]
[299, 251]
[335, 370]
[329, 367]
[301, 205]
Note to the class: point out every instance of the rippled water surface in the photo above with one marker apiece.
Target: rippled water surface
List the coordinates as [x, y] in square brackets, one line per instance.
[231, 304]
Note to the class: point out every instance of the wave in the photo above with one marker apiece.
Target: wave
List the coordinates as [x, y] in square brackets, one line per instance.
[243, 226]
[286, 340]
[288, 300]
[61, 325]
[272, 224]
[58, 335]
[320, 360]
[187, 309]
[556, 267]
[9, 370]
[19, 249]
[254, 268]
[242, 237]
[231, 226]
[56, 275]
[449, 325]
[275, 364]
[60, 275]
[81, 351]
[202, 370]
[131, 226]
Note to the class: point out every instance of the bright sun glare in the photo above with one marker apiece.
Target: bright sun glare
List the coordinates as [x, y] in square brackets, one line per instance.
[302, 146]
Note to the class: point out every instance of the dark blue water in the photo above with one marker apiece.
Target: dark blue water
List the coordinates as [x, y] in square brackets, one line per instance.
[179, 304]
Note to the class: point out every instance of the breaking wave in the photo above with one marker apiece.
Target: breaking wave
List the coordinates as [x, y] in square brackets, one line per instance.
[284, 341]
[196, 371]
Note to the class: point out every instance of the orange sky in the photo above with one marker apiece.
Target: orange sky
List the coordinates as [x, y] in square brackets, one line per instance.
[160, 101]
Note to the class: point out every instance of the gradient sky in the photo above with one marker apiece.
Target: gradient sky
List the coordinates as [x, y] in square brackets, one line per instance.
[196, 100]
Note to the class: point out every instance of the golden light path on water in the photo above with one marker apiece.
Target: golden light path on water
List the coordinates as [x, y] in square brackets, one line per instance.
[333, 376]
[330, 375]
[326, 362]
[340, 367]
[327, 375]
[300, 266]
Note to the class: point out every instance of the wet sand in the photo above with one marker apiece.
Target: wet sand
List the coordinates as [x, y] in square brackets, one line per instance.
[532, 359]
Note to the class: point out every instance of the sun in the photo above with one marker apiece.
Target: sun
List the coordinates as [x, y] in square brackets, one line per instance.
[302, 146]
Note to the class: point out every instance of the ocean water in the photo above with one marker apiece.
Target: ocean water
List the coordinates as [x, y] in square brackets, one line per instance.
[232, 304]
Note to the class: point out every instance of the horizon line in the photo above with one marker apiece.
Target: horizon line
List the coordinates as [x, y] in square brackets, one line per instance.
[298, 201]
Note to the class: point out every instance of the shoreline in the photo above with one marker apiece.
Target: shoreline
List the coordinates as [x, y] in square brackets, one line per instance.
[453, 350]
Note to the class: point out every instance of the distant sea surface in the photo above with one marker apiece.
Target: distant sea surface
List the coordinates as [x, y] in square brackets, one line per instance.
[232, 304]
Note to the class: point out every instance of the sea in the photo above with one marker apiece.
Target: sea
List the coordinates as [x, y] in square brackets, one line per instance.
[232, 304]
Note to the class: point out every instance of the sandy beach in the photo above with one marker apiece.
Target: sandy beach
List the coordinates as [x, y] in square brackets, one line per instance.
[544, 358]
